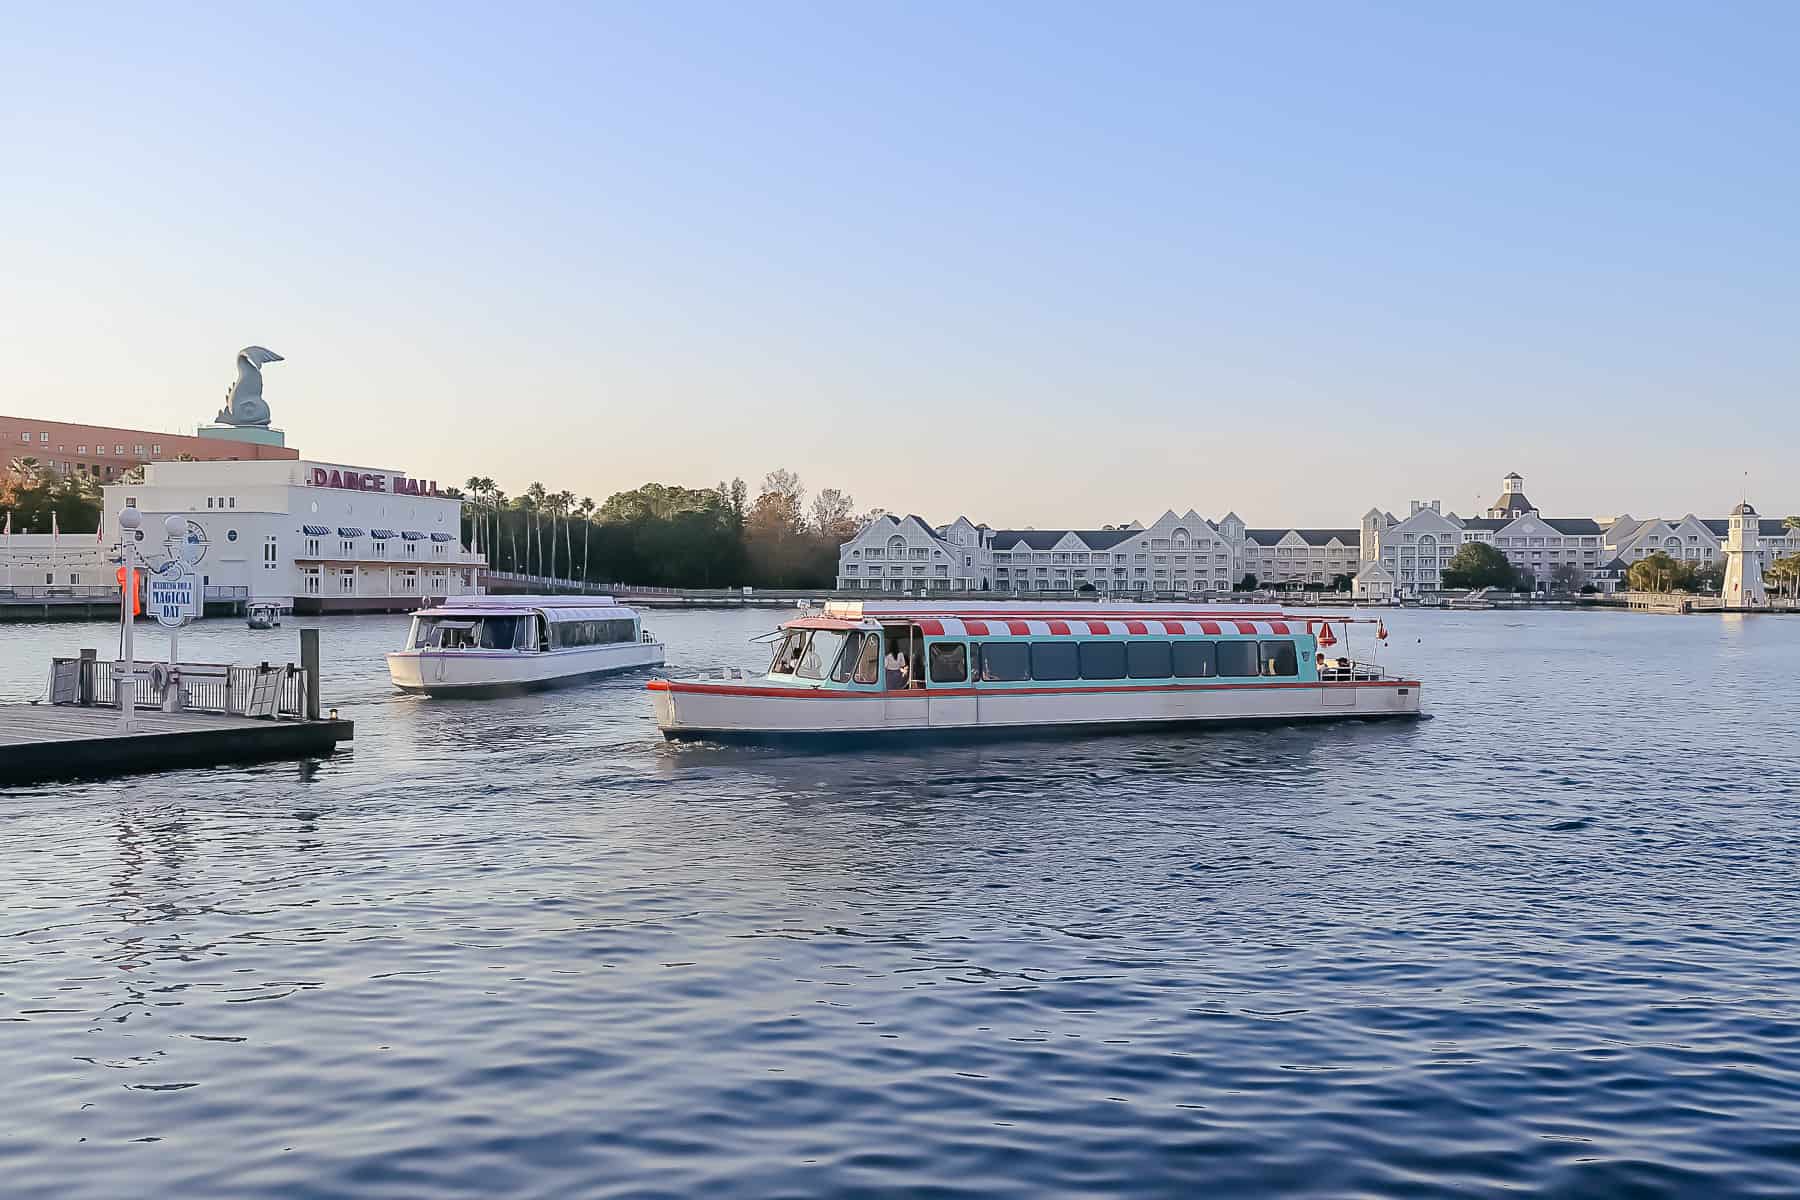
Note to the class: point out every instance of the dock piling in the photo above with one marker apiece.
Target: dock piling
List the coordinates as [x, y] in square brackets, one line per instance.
[309, 666]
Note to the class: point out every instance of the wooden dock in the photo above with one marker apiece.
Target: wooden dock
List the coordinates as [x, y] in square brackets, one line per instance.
[40, 741]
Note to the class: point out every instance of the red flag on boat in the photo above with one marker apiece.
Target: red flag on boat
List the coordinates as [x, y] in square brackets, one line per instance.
[1326, 637]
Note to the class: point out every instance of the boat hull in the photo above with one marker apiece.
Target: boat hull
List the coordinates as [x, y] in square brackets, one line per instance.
[476, 674]
[700, 709]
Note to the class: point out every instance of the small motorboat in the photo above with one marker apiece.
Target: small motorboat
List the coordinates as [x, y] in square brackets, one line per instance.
[264, 616]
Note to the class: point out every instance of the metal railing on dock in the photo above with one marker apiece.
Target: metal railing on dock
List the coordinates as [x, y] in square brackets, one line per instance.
[264, 690]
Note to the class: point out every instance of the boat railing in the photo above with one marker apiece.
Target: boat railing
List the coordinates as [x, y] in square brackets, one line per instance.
[1352, 672]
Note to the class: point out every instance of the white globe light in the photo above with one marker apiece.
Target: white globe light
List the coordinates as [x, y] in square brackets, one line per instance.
[130, 518]
[175, 526]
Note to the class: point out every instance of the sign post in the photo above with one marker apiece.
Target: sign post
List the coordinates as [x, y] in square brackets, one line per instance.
[174, 600]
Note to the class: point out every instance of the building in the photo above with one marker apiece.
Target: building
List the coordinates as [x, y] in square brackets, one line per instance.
[1696, 539]
[33, 561]
[315, 537]
[1180, 555]
[1415, 551]
[104, 452]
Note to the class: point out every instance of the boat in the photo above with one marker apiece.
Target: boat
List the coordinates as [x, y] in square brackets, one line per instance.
[497, 645]
[263, 616]
[1016, 668]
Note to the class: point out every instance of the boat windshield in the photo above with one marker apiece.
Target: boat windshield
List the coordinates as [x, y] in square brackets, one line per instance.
[808, 653]
[472, 633]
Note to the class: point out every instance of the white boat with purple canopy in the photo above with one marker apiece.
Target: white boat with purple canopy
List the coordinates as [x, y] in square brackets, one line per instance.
[495, 645]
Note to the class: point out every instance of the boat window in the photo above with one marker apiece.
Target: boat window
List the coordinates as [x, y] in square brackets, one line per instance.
[867, 660]
[949, 662]
[1005, 662]
[1280, 658]
[1195, 660]
[421, 631]
[820, 654]
[1239, 658]
[787, 654]
[1148, 660]
[1054, 660]
[496, 633]
[593, 633]
[1102, 660]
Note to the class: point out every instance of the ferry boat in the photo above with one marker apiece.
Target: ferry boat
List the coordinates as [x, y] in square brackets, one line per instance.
[869, 667]
[494, 645]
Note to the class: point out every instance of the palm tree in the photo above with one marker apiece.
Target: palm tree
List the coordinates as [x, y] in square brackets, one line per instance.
[586, 510]
[533, 503]
[565, 507]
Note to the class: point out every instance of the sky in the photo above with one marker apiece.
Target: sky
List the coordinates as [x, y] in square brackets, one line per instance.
[1043, 264]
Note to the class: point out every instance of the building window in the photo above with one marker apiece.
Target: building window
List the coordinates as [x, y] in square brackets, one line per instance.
[209, 504]
[43, 439]
[156, 450]
[269, 553]
[231, 535]
[83, 450]
[138, 450]
[119, 450]
[312, 550]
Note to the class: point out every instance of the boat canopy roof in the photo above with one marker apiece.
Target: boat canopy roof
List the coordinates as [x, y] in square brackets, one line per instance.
[896, 610]
[1025, 619]
[557, 610]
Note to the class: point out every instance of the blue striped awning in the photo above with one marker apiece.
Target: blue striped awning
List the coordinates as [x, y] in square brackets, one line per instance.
[316, 530]
[381, 533]
[442, 537]
[413, 535]
[344, 531]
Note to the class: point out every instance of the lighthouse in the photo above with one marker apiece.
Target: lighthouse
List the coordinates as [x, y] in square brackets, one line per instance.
[1743, 560]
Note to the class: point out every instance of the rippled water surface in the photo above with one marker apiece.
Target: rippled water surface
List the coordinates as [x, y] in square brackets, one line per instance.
[1546, 942]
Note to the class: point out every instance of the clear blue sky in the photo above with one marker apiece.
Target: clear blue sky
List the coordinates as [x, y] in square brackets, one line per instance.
[1038, 263]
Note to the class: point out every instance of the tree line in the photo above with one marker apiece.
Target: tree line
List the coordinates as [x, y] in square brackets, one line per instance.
[39, 498]
[664, 534]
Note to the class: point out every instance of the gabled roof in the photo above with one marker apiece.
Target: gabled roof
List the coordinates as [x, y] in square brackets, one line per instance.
[1322, 537]
[1572, 525]
[1488, 523]
[1046, 539]
[1312, 537]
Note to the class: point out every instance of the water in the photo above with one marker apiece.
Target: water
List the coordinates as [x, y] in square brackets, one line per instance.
[1546, 942]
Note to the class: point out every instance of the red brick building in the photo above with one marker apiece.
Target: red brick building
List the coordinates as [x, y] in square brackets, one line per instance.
[105, 453]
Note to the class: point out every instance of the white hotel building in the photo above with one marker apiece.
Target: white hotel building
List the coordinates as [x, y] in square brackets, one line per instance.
[1178, 556]
[1407, 556]
[314, 537]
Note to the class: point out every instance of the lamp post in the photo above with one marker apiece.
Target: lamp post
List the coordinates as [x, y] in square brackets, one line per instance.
[129, 520]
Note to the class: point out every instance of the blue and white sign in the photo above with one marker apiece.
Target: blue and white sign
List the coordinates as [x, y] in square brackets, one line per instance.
[173, 599]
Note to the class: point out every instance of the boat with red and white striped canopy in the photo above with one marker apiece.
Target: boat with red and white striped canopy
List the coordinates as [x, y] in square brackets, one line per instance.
[890, 667]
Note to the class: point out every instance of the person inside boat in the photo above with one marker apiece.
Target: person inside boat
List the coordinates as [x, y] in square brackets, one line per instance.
[895, 665]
